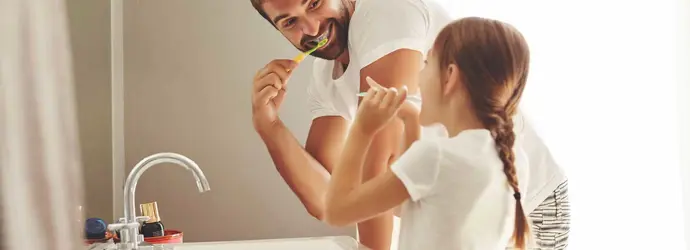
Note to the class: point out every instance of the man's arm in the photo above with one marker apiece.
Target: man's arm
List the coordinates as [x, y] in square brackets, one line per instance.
[307, 171]
[396, 69]
[325, 140]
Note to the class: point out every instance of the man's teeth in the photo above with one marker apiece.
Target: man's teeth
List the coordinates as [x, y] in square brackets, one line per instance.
[323, 36]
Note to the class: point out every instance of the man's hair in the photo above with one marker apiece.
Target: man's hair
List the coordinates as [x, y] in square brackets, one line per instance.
[257, 6]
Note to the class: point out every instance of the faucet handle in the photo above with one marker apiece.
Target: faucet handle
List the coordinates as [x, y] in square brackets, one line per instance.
[139, 219]
[120, 226]
[142, 218]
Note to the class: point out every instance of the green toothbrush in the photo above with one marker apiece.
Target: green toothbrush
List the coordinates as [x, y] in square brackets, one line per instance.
[299, 58]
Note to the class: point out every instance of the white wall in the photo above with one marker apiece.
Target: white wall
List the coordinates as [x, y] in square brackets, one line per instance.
[188, 67]
[603, 94]
[683, 72]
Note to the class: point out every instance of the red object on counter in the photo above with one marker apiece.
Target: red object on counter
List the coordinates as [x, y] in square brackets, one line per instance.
[108, 236]
[171, 236]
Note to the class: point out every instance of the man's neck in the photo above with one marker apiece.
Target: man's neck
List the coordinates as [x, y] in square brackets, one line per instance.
[344, 58]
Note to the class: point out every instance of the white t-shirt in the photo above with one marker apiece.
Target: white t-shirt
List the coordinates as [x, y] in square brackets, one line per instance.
[377, 28]
[459, 195]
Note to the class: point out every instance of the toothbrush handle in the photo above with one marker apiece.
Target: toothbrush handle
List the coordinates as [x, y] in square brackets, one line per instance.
[299, 58]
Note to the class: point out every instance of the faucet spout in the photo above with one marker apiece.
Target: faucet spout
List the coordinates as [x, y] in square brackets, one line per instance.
[130, 235]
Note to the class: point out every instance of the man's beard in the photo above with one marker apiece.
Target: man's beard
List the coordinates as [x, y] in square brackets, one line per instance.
[338, 46]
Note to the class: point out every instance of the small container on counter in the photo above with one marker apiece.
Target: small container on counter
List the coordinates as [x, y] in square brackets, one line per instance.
[152, 227]
[95, 229]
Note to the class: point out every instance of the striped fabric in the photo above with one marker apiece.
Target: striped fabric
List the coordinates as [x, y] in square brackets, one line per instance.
[2, 227]
[551, 221]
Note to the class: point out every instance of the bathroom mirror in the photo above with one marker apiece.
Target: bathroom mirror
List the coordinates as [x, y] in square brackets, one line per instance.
[174, 76]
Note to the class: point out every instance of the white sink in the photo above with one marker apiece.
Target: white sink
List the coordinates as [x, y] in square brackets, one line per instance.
[318, 243]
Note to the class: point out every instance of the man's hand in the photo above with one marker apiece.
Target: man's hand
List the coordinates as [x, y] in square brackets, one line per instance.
[268, 92]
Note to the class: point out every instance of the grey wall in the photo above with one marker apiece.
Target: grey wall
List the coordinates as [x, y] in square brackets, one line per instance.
[188, 67]
[89, 25]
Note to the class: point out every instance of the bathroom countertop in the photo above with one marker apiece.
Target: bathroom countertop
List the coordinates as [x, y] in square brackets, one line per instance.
[307, 243]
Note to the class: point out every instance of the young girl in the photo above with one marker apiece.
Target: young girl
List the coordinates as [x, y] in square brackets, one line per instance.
[459, 192]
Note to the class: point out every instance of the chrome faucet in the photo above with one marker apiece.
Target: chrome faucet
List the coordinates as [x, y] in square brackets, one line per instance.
[129, 225]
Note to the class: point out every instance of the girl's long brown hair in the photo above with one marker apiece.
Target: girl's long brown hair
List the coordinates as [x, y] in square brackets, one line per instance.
[493, 58]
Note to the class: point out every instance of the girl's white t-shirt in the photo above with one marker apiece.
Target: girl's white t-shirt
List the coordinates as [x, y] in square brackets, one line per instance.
[459, 195]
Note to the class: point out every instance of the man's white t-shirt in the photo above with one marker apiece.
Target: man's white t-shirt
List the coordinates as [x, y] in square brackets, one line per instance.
[379, 27]
[459, 195]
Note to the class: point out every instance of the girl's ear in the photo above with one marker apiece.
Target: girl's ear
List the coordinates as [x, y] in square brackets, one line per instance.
[452, 75]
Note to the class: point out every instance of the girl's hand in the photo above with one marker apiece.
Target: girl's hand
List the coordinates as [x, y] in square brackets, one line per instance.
[378, 107]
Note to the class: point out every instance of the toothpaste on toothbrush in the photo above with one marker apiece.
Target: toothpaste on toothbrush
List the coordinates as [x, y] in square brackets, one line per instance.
[322, 42]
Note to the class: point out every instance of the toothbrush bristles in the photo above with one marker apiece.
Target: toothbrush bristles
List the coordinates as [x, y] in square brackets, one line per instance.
[301, 56]
[322, 42]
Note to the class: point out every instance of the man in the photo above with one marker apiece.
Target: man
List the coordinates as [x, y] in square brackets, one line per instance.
[383, 39]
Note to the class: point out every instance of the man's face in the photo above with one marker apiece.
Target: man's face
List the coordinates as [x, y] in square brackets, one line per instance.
[304, 22]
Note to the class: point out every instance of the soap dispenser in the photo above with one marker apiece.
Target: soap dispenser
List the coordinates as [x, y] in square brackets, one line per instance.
[152, 227]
